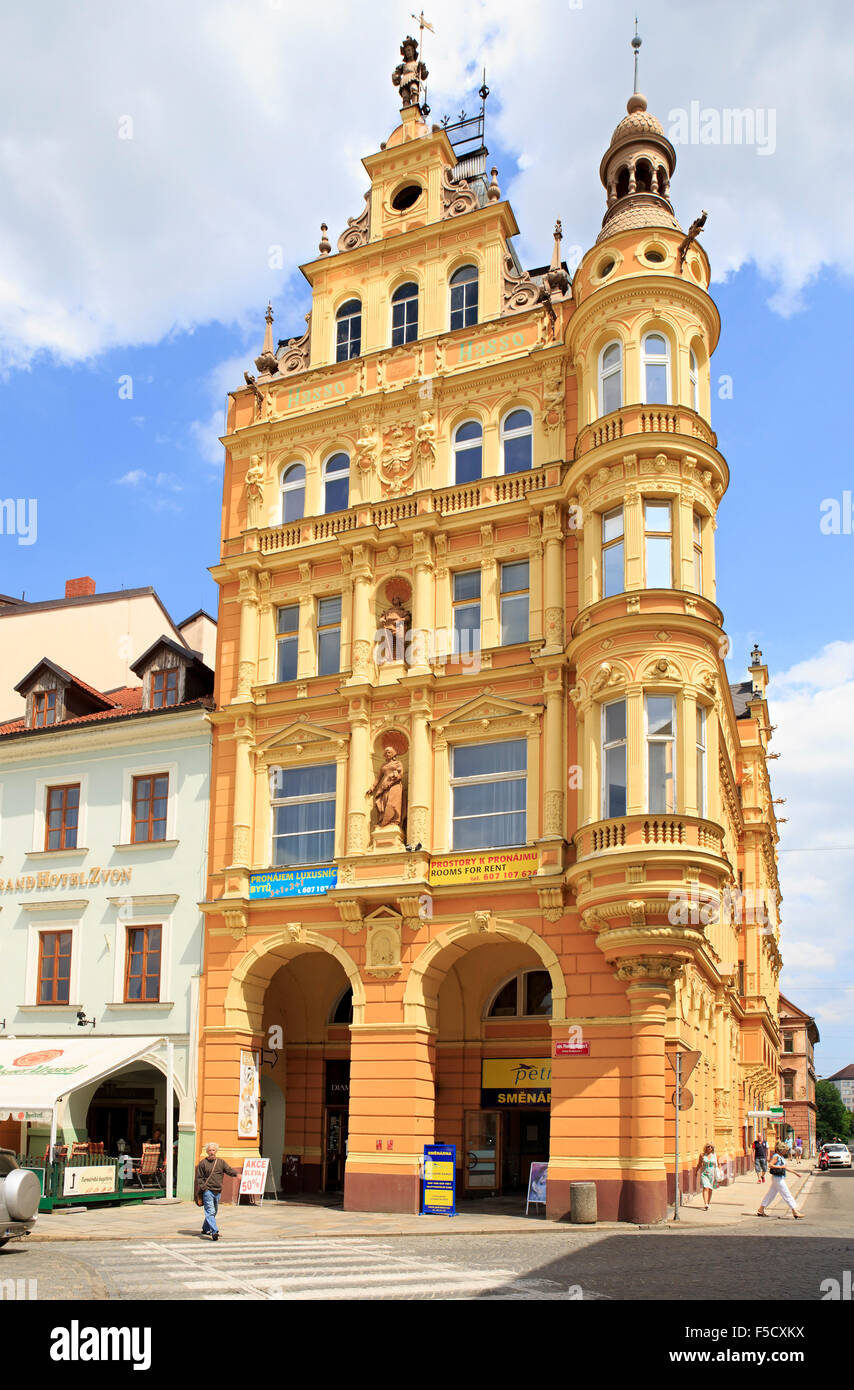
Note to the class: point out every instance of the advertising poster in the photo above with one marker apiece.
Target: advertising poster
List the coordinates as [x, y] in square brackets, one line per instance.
[253, 1178]
[85, 1181]
[498, 866]
[248, 1097]
[440, 1180]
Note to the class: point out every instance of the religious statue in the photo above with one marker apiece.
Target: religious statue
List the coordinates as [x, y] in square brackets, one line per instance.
[409, 74]
[387, 791]
[392, 628]
[366, 447]
[254, 484]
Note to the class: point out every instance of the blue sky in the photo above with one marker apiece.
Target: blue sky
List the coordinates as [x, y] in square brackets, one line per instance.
[149, 258]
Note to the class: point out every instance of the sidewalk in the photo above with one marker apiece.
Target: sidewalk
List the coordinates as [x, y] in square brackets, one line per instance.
[739, 1201]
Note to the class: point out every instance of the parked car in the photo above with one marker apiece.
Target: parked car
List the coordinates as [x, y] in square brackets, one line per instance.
[20, 1191]
[839, 1155]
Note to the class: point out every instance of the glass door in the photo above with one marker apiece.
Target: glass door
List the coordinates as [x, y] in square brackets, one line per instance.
[482, 1157]
[335, 1148]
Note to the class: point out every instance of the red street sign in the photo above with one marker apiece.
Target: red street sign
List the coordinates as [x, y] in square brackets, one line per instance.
[569, 1049]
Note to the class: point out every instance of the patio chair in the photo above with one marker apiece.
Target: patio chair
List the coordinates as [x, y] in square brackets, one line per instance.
[96, 1148]
[60, 1153]
[147, 1174]
[80, 1148]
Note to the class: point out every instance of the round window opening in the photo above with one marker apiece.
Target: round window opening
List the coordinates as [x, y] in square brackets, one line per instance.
[605, 269]
[406, 197]
[654, 256]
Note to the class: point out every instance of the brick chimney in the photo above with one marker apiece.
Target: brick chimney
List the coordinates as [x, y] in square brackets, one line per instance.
[79, 588]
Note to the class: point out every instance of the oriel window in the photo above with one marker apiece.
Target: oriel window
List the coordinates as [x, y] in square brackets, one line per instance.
[614, 783]
[655, 369]
[661, 753]
[613, 553]
[658, 535]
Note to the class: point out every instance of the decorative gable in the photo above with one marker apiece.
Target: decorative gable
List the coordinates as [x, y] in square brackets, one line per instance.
[488, 714]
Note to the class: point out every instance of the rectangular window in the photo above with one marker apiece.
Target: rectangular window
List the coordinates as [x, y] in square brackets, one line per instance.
[328, 636]
[466, 612]
[150, 799]
[489, 794]
[164, 688]
[788, 1088]
[515, 602]
[659, 545]
[287, 642]
[44, 708]
[614, 759]
[698, 553]
[613, 553]
[788, 1042]
[303, 804]
[54, 967]
[701, 761]
[142, 965]
[62, 811]
[660, 753]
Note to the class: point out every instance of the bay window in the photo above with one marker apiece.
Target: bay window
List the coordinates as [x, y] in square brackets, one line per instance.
[661, 753]
[614, 766]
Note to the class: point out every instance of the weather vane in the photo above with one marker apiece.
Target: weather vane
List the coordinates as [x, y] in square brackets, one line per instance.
[422, 25]
[636, 43]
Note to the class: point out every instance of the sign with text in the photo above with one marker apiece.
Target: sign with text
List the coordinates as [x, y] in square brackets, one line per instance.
[507, 1081]
[496, 866]
[253, 1178]
[292, 883]
[439, 1190]
[85, 1181]
[571, 1049]
[46, 880]
[249, 1096]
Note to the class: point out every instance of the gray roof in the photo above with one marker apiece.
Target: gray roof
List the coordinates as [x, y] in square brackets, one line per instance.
[741, 691]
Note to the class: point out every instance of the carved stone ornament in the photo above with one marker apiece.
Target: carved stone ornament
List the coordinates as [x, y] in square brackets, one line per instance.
[425, 441]
[254, 485]
[236, 922]
[605, 676]
[551, 903]
[367, 445]
[398, 460]
[664, 968]
[295, 358]
[382, 957]
[296, 933]
[457, 198]
[358, 230]
[519, 290]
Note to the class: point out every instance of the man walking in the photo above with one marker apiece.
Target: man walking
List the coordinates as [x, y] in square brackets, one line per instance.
[209, 1176]
[760, 1158]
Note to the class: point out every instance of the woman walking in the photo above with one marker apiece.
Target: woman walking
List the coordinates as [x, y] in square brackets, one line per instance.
[779, 1186]
[707, 1167]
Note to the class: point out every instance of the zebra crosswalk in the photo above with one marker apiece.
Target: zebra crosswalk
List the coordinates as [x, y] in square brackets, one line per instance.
[323, 1268]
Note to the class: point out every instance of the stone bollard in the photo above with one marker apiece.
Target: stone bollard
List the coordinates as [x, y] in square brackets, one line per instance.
[582, 1202]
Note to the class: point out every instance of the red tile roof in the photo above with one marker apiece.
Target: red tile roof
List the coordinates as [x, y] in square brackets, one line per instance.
[126, 700]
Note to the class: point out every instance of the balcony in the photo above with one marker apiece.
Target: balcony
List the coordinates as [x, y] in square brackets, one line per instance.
[644, 419]
[648, 832]
[449, 502]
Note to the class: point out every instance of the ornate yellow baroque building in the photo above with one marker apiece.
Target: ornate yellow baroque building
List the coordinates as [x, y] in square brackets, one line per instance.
[492, 835]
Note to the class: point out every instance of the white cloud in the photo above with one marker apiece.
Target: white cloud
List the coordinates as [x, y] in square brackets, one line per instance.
[249, 124]
[133, 478]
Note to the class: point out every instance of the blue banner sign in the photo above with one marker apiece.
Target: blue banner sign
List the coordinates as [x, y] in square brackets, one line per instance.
[292, 883]
[439, 1194]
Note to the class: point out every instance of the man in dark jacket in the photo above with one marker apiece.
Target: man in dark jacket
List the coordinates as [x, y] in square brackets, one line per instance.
[209, 1175]
[760, 1158]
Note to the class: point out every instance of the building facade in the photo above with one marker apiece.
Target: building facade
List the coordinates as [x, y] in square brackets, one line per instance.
[844, 1082]
[798, 1037]
[490, 829]
[103, 835]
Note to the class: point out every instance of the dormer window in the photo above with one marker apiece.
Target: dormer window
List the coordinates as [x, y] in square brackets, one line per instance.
[164, 688]
[44, 708]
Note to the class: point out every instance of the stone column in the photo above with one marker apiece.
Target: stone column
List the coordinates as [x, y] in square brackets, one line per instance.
[633, 539]
[683, 544]
[420, 771]
[553, 582]
[645, 1186]
[243, 787]
[554, 761]
[386, 1143]
[422, 642]
[359, 772]
[248, 646]
[636, 754]
[363, 624]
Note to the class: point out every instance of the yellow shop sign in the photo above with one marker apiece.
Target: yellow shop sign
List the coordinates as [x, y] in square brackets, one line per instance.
[496, 866]
[516, 1081]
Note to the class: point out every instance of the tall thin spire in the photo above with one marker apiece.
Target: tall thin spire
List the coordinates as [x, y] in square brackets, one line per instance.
[636, 43]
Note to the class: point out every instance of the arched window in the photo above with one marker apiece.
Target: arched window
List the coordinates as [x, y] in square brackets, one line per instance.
[348, 340]
[404, 314]
[643, 176]
[527, 994]
[464, 297]
[655, 369]
[336, 483]
[517, 441]
[342, 1011]
[694, 380]
[293, 492]
[468, 452]
[623, 182]
[610, 378]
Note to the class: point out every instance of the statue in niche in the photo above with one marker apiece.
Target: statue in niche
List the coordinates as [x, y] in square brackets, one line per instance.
[392, 628]
[388, 790]
[254, 484]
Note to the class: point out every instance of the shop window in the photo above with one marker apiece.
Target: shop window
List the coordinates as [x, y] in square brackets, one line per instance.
[527, 994]
[515, 602]
[614, 759]
[293, 492]
[329, 636]
[404, 314]
[489, 794]
[62, 812]
[517, 441]
[303, 804]
[613, 553]
[287, 642]
[468, 452]
[54, 967]
[142, 965]
[464, 297]
[348, 330]
[150, 800]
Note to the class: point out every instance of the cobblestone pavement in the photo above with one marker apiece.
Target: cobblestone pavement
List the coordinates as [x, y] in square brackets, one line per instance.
[732, 1262]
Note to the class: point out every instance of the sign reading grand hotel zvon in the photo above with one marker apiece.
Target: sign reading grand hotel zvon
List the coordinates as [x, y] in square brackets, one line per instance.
[46, 879]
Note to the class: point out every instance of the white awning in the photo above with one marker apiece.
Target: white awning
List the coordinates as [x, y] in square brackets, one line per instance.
[36, 1072]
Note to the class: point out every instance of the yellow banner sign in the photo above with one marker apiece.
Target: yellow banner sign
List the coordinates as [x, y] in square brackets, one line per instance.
[494, 866]
[516, 1073]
